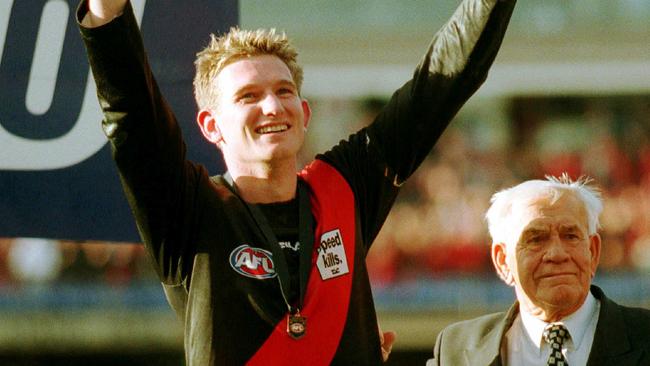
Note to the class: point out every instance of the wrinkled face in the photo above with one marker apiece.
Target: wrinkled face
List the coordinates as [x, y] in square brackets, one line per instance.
[260, 117]
[554, 259]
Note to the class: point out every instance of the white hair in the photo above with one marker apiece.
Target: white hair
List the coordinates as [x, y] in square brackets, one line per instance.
[499, 218]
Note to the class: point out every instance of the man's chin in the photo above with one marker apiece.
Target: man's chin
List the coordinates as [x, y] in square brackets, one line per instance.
[564, 296]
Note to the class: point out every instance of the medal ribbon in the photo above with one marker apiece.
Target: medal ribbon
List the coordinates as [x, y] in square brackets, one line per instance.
[326, 302]
[305, 237]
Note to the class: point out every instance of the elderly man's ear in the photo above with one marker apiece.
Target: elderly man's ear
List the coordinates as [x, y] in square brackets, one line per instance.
[501, 264]
[594, 248]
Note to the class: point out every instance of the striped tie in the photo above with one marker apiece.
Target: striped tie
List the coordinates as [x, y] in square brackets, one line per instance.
[555, 334]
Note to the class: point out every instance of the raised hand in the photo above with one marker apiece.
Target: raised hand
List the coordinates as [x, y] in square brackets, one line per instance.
[101, 12]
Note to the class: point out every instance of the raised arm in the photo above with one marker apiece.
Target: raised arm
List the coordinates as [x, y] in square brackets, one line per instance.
[453, 68]
[101, 12]
[146, 140]
[379, 158]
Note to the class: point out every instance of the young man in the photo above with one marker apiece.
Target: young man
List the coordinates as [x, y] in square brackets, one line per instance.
[265, 265]
[545, 244]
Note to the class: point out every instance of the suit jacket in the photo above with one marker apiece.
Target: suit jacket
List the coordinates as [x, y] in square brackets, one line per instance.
[622, 337]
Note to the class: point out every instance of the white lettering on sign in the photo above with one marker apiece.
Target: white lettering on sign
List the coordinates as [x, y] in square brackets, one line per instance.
[47, 57]
[86, 137]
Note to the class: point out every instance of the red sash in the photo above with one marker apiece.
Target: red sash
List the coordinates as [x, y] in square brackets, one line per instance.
[326, 301]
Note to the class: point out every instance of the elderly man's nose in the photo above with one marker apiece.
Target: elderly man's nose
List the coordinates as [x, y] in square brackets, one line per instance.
[555, 250]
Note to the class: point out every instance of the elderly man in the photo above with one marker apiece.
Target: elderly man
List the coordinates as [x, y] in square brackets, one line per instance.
[546, 246]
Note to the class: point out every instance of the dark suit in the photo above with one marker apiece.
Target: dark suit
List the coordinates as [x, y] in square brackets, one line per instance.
[622, 337]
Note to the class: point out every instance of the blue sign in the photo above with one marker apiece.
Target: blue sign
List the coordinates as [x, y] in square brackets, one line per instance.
[57, 179]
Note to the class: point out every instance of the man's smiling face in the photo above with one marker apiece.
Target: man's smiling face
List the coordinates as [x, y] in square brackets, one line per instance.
[260, 116]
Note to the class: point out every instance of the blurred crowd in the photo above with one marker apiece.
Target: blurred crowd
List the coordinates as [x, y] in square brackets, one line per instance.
[437, 226]
[37, 261]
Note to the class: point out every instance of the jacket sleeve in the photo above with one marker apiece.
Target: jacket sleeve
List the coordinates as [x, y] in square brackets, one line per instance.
[146, 141]
[435, 361]
[393, 146]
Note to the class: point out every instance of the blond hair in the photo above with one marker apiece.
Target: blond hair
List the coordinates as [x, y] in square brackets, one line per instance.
[233, 46]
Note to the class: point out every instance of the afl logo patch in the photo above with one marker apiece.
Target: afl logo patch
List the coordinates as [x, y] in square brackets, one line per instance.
[252, 262]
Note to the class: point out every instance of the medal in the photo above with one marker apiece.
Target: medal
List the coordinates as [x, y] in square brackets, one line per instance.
[296, 325]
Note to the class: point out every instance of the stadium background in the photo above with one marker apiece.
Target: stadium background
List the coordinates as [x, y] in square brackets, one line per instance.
[570, 91]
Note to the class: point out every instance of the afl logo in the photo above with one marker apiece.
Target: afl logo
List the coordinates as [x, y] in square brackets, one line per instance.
[252, 262]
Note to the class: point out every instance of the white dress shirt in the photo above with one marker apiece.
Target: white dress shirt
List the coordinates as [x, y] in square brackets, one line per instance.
[526, 345]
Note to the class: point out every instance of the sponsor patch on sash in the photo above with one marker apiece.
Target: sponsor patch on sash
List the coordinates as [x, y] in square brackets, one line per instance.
[331, 255]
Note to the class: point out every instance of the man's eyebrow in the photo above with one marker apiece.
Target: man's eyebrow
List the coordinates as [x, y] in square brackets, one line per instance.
[244, 88]
[534, 230]
[252, 86]
[569, 227]
[287, 82]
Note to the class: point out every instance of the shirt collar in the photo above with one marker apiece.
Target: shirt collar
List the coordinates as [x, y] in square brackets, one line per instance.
[577, 323]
